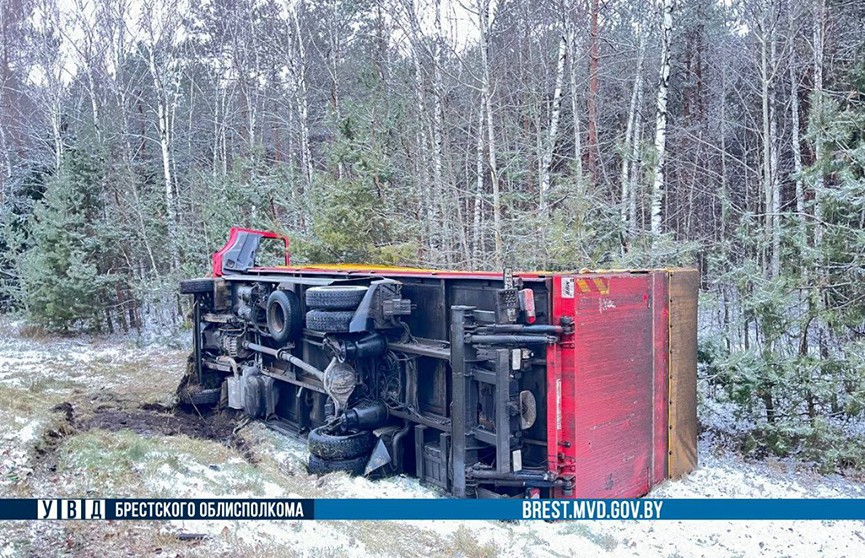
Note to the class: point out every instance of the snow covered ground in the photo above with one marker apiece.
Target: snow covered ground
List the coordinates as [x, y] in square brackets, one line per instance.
[40, 455]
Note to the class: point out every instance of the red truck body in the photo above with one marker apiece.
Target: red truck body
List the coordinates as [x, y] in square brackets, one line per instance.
[614, 385]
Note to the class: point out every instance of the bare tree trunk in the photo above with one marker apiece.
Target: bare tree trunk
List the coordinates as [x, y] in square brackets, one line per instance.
[51, 64]
[725, 202]
[766, 37]
[223, 131]
[252, 85]
[658, 187]
[628, 149]
[816, 301]
[796, 139]
[479, 189]
[57, 136]
[7, 160]
[214, 148]
[592, 96]
[116, 13]
[84, 47]
[300, 90]
[636, 167]
[334, 54]
[553, 128]
[816, 107]
[429, 201]
[442, 199]
[575, 108]
[164, 126]
[94, 103]
[486, 93]
[773, 144]
[4, 79]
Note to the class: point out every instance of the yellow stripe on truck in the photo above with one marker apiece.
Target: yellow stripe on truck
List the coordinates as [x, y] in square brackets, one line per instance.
[583, 285]
[603, 286]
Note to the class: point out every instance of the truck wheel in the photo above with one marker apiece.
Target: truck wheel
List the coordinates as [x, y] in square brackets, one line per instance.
[353, 466]
[193, 395]
[196, 286]
[284, 317]
[329, 321]
[330, 446]
[333, 297]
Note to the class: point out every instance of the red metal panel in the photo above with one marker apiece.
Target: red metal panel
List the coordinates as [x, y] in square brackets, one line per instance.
[560, 389]
[607, 378]
[232, 239]
[660, 327]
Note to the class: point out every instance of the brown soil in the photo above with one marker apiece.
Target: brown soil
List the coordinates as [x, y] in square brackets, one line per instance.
[107, 412]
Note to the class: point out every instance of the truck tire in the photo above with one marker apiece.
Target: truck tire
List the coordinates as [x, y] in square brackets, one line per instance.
[336, 321]
[284, 317]
[329, 446]
[333, 297]
[192, 395]
[353, 466]
[196, 286]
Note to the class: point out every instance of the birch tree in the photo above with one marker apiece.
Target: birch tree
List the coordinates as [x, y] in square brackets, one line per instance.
[575, 105]
[553, 128]
[630, 149]
[818, 30]
[296, 61]
[484, 16]
[429, 205]
[50, 72]
[120, 84]
[593, 90]
[440, 191]
[86, 45]
[477, 216]
[766, 38]
[8, 20]
[161, 36]
[796, 140]
[658, 186]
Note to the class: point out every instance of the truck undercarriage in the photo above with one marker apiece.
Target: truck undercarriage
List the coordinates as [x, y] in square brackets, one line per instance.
[525, 385]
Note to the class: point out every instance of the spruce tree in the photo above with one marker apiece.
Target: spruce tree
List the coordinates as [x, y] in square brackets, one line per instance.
[60, 274]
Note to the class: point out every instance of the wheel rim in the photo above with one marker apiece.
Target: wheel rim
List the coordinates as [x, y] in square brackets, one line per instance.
[277, 318]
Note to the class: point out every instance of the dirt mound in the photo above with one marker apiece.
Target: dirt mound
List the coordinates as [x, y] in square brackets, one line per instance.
[146, 420]
[158, 422]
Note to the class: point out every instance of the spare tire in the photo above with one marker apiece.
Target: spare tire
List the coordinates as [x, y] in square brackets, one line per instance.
[335, 297]
[196, 286]
[353, 466]
[284, 316]
[332, 446]
[336, 321]
[195, 395]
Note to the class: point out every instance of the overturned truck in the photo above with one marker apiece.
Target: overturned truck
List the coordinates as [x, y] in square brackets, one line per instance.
[515, 384]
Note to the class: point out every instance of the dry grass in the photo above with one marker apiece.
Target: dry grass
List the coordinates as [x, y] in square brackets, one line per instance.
[393, 538]
[17, 402]
[33, 332]
[105, 539]
[464, 544]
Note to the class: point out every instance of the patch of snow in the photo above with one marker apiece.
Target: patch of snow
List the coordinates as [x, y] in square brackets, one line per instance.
[29, 432]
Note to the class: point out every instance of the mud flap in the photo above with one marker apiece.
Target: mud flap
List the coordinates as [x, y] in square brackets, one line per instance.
[379, 458]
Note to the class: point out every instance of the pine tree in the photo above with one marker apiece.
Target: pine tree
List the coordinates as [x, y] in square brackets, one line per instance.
[62, 282]
[350, 212]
